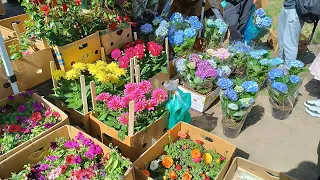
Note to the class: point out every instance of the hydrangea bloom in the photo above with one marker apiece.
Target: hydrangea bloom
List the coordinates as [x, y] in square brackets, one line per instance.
[275, 61]
[212, 63]
[161, 31]
[176, 17]
[195, 23]
[231, 94]
[156, 21]
[146, 28]
[257, 54]
[266, 22]
[204, 70]
[246, 102]
[190, 33]
[224, 71]
[179, 33]
[294, 79]
[280, 87]
[294, 63]
[178, 40]
[180, 64]
[210, 23]
[275, 73]
[164, 24]
[194, 58]
[221, 25]
[225, 83]
[250, 86]
[239, 89]
[264, 62]
[260, 12]
[239, 47]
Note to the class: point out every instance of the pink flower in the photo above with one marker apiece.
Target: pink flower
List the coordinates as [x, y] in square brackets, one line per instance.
[56, 114]
[124, 118]
[124, 62]
[150, 104]
[126, 99]
[116, 53]
[115, 103]
[145, 87]
[159, 95]
[130, 52]
[103, 97]
[196, 160]
[139, 106]
[129, 88]
[139, 51]
[154, 48]
[48, 112]
[137, 95]
[54, 174]
[27, 52]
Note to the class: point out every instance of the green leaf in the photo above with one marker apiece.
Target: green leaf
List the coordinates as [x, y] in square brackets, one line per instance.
[164, 70]
[102, 116]
[240, 113]
[15, 56]
[121, 135]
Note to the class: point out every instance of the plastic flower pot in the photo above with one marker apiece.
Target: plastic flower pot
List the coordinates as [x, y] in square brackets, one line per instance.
[281, 112]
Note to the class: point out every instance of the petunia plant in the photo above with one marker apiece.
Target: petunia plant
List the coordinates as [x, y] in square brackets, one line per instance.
[78, 158]
[20, 122]
[149, 106]
[186, 159]
[237, 96]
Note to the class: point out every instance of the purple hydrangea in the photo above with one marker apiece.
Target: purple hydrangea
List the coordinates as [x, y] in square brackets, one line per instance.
[204, 70]
[194, 58]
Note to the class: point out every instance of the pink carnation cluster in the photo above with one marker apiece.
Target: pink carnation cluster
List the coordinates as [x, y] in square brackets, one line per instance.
[220, 53]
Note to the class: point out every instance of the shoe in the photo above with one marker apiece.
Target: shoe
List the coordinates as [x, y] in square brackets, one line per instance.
[312, 103]
[313, 111]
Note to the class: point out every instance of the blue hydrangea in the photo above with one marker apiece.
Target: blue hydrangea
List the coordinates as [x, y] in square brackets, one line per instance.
[194, 22]
[257, 54]
[178, 40]
[161, 31]
[280, 87]
[146, 28]
[171, 40]
[246, 102]
[190, 33]
[164, 24]
[179, 33]
[266, 22]
[294, 63]
[221, 25]
[264, 62]
[171, 30]
[294, 79]
[210, 23]
[250, 86]
[156, 21]
[225, 83]
[176, 17]
[231, 94]
[239, 47]
[275, 61]
[212, 63]
[258, 22]
[180, 64]
[260, 12]
[275, 73]
[226, 70]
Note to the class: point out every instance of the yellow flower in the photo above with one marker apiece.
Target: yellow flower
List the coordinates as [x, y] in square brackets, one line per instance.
[79, 66]
[58, 74]
[101, 63]
[73, 74]
[113, 78]
[207, 158]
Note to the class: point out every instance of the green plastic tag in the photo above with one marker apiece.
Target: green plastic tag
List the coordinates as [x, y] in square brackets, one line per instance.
[224, 3]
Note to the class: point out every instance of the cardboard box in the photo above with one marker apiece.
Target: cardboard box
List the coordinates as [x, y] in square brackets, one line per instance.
[115, 39]
[132, 146]
[254, 170]
[159, 79]
[262, 4]
[6, 28]
[172, 69]
[210, 142]
[86, 50]
[47, 104]
[37, 151]
[200, 102]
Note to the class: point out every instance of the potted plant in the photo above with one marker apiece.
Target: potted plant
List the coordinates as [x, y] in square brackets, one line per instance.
[283, 88]
[215, 31]
[25, 118]
[222, 56]
[239, 58]
[237, 97]
[67, 153]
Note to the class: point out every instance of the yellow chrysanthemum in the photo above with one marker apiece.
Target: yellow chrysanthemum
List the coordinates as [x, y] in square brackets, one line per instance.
[58, 74]
[101, 63]
[113, 78]
[73, 74]
[207, 158]
[79, 66]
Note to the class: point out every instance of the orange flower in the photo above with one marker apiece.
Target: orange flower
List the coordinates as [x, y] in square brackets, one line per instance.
[195, 153]
[172, 174]
[167, 162]
[146, 172]
[182, 134]
[186, 176]
[169, 132]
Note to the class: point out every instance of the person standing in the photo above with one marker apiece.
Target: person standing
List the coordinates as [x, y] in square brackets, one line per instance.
[289, 28]
[236, 14]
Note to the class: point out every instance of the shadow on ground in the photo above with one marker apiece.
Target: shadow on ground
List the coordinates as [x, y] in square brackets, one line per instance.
[205, 122]
[253, 117]
[307, 57]
[313, 88]
[306, 170]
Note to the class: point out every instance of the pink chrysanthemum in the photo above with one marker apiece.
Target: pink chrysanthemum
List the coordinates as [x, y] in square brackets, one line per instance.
[145, 86]
[129, 88]
[124, 118]
[138, 95]
[103, 97]
[116, 53]
[139, 51]
[159, 95]
[150, 104]
[139, 106]
[124, 62]
[115, 103]
[130, 52]
[48, 112]
[125, 100]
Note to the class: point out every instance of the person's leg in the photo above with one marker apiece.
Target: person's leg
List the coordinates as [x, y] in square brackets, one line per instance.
[292, 32]
[245, 11]
[281, 27]
[231, 15]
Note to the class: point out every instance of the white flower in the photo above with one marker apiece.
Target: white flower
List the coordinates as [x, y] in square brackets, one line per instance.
[154, 165]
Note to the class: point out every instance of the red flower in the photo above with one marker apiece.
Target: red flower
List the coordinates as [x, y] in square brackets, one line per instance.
[133, 24]
[154, 48]
[64, 7]
[126, 18]
[14, 128]
[206, 178]
[178, 167]
[63, 168]
[56, 114]
[45, 9]
[69, 159]
[199, 142]
[119, 18]
[139, 51]
[113, 26]
[139, 41]
[127, 45]
[78, 2]
[36, 116]
[223, 158]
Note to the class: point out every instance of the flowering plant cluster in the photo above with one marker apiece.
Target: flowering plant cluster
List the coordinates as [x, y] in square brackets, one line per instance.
[78, 158]
[186, 159]
[151, 57]
[285, 82]
[261, 20]
[237, 97]
[20, 122]
[239, 59]
[221, 55]
[107, 77]
[149, 106]
[215, 32]
[200, 73]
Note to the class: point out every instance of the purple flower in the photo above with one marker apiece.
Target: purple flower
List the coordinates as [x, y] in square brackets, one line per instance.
[204, 70]
[89, 154]
[71, 144]
[22, 108]
[52, 158]
[44, 167]
[77, 159]
[53, 145]
[87, 142]
[26, 130]
[96, 149]
[19, 119]
[37, 106]
[194, 58]
[48, 125]
[11, 98]
[80, 136]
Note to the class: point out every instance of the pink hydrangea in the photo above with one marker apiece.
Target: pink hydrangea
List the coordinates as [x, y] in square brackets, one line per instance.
[48, 112]
[116, 53]
[115, 103]
[103, 97]
[220, 53]
[150, 104]
[139, 106]
[129, 88]
[124, 118]
[124, 62]
[159, 95]
[145, 86]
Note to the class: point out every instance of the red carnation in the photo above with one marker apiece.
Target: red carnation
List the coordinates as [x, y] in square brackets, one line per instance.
[45, 9]
[64, 7]
[78, 2]
[69, 159]
[199, 142]
[127, 45]
[113, 26]
[126, 18]
[154, 48]
[36, 116]
[139, 41]
[14, 128]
